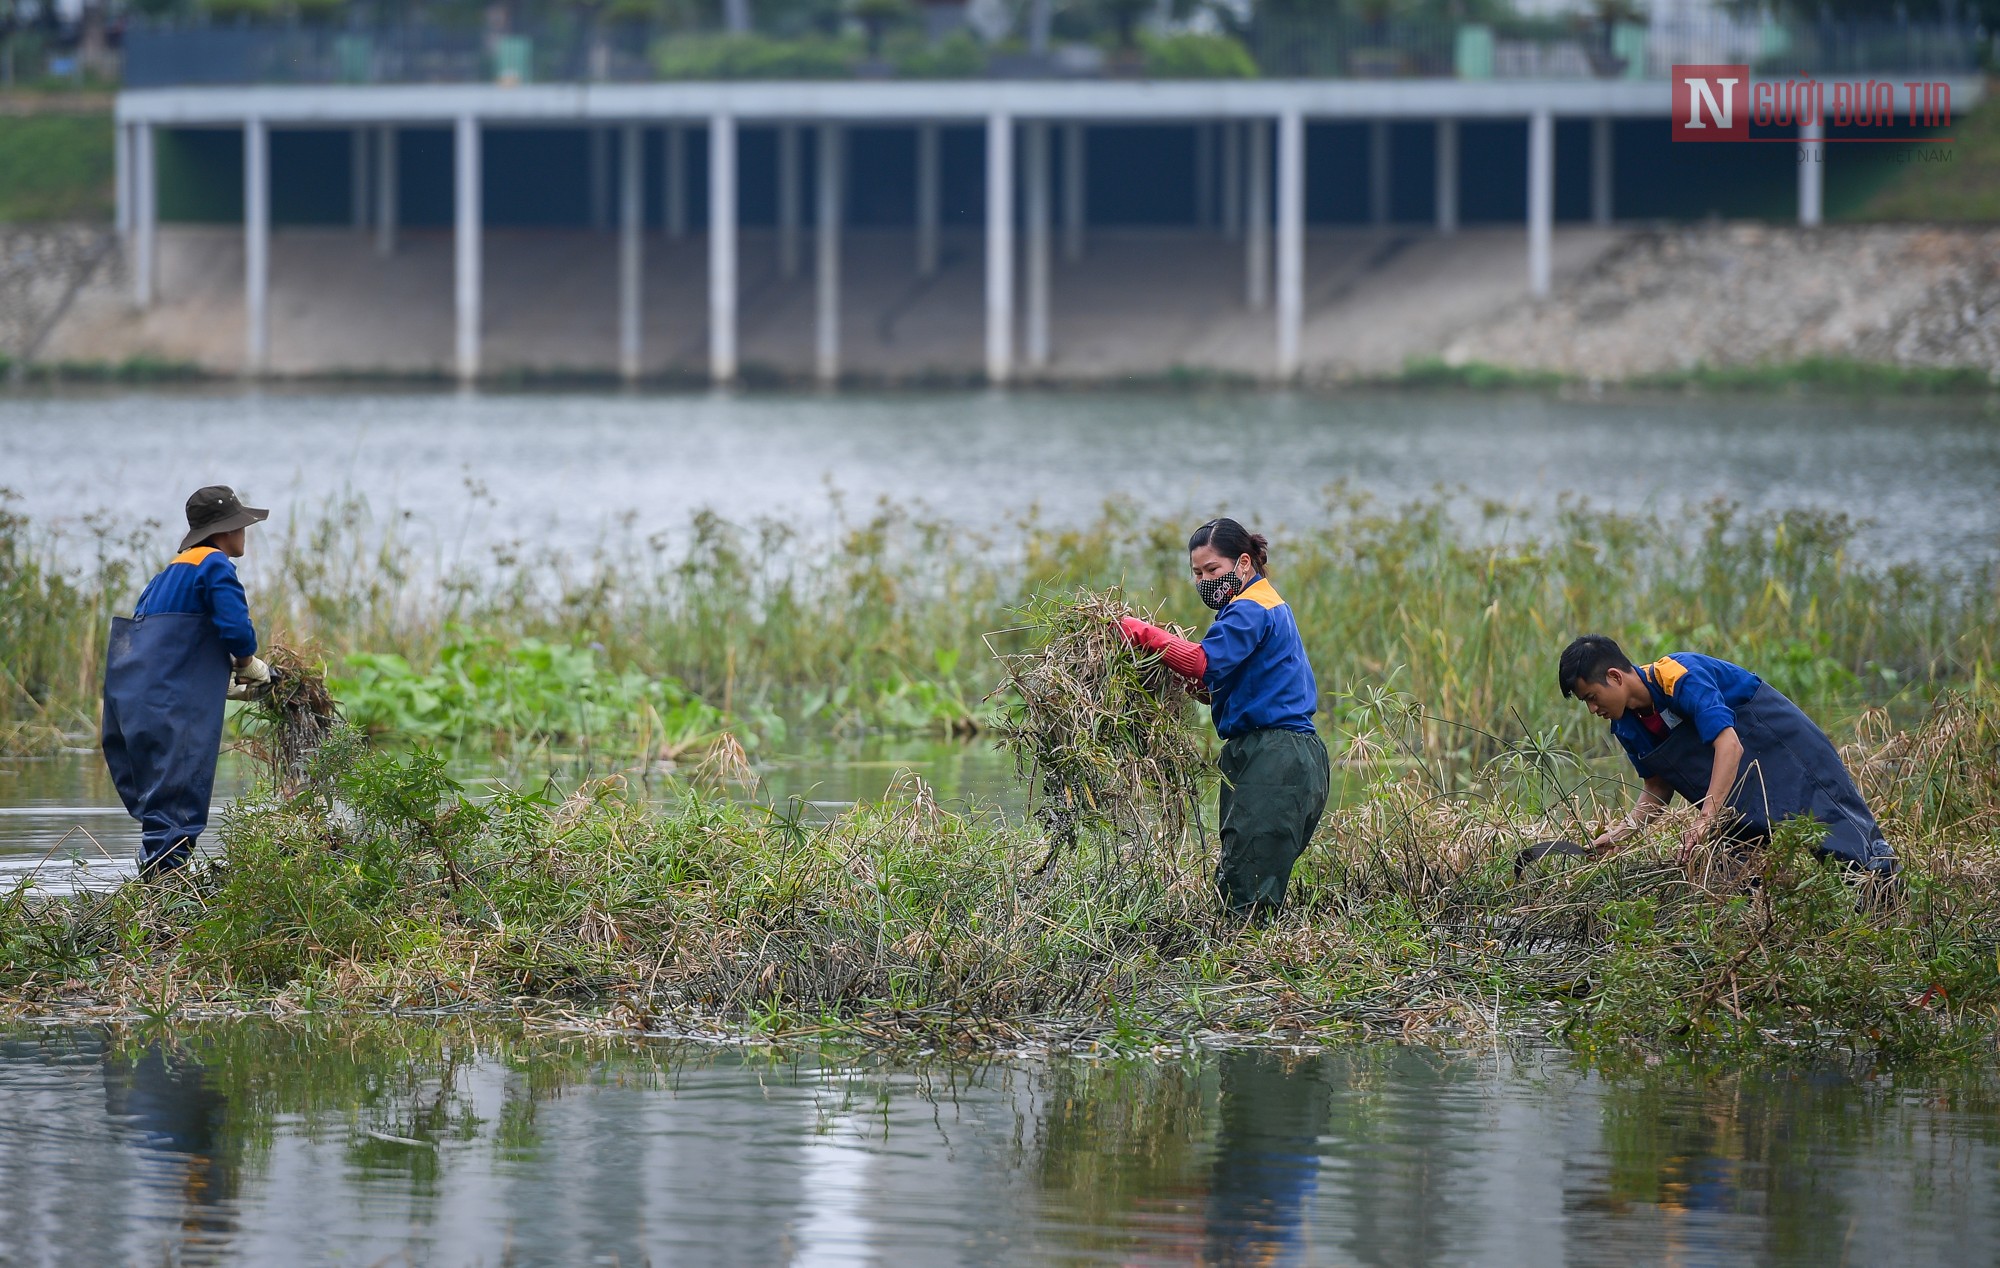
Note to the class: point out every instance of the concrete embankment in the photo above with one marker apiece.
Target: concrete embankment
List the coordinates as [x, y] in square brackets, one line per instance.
[1669, 301]
[1628, 303]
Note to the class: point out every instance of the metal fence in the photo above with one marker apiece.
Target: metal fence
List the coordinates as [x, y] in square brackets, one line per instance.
[1322, 47]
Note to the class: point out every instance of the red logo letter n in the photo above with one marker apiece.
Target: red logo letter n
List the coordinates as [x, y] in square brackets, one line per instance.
[1711, 103]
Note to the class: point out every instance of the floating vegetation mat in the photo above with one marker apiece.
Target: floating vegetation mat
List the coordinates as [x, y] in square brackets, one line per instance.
[381, 884]
[1106, 733]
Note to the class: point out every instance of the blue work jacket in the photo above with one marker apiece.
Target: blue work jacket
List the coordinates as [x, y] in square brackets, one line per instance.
[203, 581]
[1257, 677]
[1688, 689]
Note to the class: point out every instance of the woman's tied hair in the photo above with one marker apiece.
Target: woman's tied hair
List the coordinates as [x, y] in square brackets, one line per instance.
[1232, 541]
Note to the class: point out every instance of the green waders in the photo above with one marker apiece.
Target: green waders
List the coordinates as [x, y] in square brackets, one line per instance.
[1274, 787]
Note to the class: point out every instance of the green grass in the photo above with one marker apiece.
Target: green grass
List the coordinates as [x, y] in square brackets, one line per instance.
[1820, 375]
[132, 370]
[1480, 376]
[1964, 189]
[56, 167]
[1828, 375]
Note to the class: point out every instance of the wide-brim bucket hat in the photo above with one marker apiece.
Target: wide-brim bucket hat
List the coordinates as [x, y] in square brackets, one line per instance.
[217, 509]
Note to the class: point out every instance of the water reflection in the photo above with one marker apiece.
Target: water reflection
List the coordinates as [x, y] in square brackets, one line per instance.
[1267, 1159]
[163, 1096]
[444, 1143]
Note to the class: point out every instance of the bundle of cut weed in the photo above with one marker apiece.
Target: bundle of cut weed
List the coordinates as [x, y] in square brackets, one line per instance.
[285, 727]
[1102, 729]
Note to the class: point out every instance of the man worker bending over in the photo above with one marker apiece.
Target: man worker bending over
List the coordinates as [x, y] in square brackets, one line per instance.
[1727, 741]
[167, 671]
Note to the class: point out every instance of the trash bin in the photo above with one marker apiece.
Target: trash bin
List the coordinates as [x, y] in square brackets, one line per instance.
[513, 60]
[353, 59]
[1472, 53]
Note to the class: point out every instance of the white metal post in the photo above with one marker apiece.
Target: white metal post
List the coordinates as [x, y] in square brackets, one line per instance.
[722, 248]
[788, 200]
[1291, 239]
[357, 178]
[1378, 171]
[826, 255]
[600, 178]
[1812, 172]
[467, 216]
[927, 199]
[145, 215]
[256, 244]
[1541, 198]
[385, 192]
[675, 179]
[121, 176]
[1447, 176]
[1076, 203]
[1232, 179]
[631, 223]
[1036, 162]
[1600, 170]
[999, 247]
[1257, 227]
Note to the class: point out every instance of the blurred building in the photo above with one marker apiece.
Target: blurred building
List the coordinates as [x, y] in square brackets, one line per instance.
[798, 203]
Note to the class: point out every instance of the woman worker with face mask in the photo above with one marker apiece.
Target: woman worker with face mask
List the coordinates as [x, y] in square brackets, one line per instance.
[1262, 698]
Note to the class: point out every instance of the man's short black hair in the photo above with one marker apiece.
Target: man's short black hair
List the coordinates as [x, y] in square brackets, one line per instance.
[1586, 659]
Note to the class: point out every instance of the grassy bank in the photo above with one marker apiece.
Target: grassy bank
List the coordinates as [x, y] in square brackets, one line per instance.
[1818, 375]
[380, 884]
[56, 167]
[646, 642]
[1942, 183]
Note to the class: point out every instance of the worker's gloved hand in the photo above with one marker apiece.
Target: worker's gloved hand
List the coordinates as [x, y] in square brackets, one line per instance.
[252, 673]
[1178, 654]
[1142, 633]
[244, 691]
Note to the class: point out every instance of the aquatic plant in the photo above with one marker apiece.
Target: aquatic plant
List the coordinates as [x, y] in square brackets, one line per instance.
[285, 727]
[1101, 730]
[525, 693]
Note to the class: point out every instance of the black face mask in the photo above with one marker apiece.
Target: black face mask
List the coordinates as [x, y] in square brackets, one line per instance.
[1216, 592]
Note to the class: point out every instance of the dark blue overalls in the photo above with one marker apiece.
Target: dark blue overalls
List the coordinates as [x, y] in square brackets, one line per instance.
[1789, 769]
[165, 677]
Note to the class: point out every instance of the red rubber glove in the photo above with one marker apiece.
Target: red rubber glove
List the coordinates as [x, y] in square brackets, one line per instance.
[1184, 658]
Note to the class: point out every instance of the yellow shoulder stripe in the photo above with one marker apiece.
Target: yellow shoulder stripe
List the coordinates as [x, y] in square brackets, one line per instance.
[1668, 672]
[1262, 594]
[194, 555]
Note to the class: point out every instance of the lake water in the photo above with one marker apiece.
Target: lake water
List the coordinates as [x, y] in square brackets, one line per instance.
[364, 1143]
[62, 825]
[436, 1143]
[557, 467]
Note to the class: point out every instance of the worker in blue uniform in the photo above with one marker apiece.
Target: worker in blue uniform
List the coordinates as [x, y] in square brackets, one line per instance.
[188, 646]
[1727, 741]
[1262, 697]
